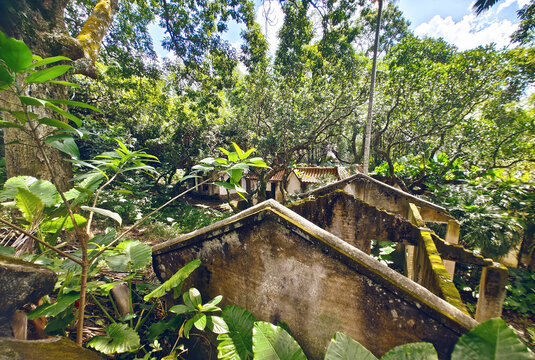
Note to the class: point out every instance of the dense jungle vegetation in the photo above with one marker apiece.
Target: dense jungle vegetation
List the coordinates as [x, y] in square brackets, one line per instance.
[127, 127]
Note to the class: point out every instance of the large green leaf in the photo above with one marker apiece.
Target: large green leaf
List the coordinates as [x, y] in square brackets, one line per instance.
[192, 298]
[490, 340]
[237, 344]
[29, 204]
[271, 342]
[157, 328]
[342, 347]
[68, 115]
[174, 281]
[74, 103]
[45, 190]
[28, 100]
[412, 351]
[5, 77]
[47, 74]
[105, 212]
[131, 255]
[8, 124]
[216, 324]
[63, 222]
[119, 339]
[62, 302]
[57, 325]
[66, 145]
[59, 124]
[15, 54]
[49, 60]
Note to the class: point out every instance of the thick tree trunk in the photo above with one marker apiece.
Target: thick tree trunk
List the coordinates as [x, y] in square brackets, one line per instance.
[41, 25]
[368, 130]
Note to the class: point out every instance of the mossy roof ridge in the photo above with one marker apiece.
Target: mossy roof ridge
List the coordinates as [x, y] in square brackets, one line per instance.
[369, 267]
[458, 253]
[335, 185]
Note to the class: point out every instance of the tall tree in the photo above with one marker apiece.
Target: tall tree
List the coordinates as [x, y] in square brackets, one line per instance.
[368, 134]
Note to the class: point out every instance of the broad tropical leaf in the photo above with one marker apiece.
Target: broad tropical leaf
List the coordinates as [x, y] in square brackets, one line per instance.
[49, 60]
[5, 78]
[199, 320]
[271, 342]
[130, 255]
[237, 344]
[8, 124]
[63, 222]
[29, 204]
[119, 339]
[192, 298]
[216, 324]
[342, 347]
[105, 212]
[47, 74]
[412, 351]
[57, 325]
[174, 281]
[74, 103]
[63, 302]
[59, 124]
[66, 145]
[490, 340]
[45, 190]
[15, 54]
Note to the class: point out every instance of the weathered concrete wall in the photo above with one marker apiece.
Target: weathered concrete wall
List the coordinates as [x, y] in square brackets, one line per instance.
[385, 197]
[355, 221]
[281, 267]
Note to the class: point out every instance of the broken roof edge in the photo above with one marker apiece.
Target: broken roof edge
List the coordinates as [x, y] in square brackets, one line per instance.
[383, 274]
[326, 188]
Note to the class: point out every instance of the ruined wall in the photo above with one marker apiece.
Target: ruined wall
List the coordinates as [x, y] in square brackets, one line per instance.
[282, 268]
[385, 197]
[355, 221]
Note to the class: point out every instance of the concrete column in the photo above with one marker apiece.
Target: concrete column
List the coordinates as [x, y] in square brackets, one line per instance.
[452, 237]
[411, 265]
[491, 292]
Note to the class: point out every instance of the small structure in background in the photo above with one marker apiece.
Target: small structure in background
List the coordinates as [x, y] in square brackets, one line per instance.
[299, 180]
[302, 179]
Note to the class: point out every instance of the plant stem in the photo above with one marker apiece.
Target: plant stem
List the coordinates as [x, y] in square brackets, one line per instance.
[131, 308]
[83, 292]
[141, 321]
[102, 308]
[97, 194]
[114, 306]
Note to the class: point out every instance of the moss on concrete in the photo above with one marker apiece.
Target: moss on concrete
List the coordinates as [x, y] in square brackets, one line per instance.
[50, 349]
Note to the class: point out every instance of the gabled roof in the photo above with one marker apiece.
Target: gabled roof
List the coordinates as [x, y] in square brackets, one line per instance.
[314, 174]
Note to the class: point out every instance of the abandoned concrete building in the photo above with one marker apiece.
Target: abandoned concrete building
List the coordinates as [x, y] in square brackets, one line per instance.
[309, 265]
[299, 180]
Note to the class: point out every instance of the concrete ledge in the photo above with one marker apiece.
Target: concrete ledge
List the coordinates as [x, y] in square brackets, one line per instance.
[384, 196]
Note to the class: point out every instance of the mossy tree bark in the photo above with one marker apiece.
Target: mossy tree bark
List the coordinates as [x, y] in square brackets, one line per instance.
[41, 25]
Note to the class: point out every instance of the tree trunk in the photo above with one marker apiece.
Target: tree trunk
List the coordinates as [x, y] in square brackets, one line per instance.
[367, 137]
[41, 25]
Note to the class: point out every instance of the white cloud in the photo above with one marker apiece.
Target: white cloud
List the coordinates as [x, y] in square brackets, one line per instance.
[270, 18]
[469, 32]
[504, 5]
